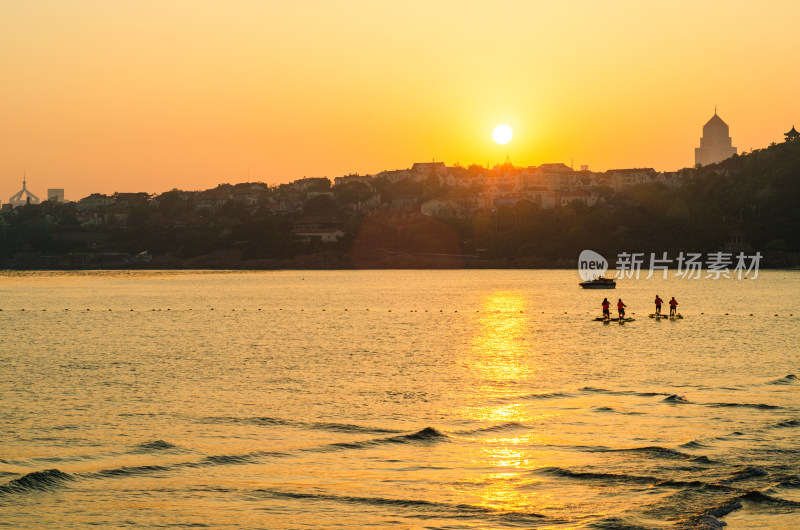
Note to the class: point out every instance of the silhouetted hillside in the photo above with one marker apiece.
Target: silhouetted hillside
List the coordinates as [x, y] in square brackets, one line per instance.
[747, 203]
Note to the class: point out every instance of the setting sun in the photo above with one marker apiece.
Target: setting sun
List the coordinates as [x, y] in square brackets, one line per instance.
[502, 134]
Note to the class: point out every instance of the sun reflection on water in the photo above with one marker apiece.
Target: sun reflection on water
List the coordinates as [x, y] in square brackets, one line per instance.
[505, 363]
[501, 354]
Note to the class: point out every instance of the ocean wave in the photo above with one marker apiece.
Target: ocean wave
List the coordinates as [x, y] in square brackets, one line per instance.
[222, 460]
[225, 460]
[675, 398]
[593, 475]
[503, 427]
[615, 523]
[322, 426]
[694, 444]
[610, 409]
[595, 390]
[153, 446]
[544, 395]
[785, 380]
[757, 496]
[349, 428]
[762, 406]
[790, 482]
[426, 435]
[708, 519]
[453, 509]
[612, 478]
[745, 474]
[36, 481]
[125, 471]
[655, 451]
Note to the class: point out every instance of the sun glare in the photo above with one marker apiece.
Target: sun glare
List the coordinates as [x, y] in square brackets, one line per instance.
[502, 134]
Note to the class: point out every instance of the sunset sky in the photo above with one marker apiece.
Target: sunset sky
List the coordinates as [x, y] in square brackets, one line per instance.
[150, 95]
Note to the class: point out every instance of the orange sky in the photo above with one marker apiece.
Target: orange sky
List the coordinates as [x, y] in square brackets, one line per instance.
[149, 95]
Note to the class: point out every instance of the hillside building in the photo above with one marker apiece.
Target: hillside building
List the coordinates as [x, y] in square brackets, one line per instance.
[715, 144]
[55, 195]
[23, 197]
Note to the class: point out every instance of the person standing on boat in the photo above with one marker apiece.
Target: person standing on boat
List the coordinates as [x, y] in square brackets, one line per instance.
[621, 308]
[673, 307]
[606, 305]
[659, 301]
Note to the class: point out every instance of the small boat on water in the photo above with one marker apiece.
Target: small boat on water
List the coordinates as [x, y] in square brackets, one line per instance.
[599, 283]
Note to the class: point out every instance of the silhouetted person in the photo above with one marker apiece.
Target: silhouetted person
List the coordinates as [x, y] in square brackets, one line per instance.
[673, 307]
[621, 308]
[606, 305]
[659, 301]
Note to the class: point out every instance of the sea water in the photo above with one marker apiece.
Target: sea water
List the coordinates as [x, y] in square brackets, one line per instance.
[396, 399]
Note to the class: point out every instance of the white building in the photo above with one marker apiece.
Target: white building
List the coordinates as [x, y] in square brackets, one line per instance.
[23, 197]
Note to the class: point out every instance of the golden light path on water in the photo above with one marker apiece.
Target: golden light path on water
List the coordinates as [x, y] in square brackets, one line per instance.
[500, 357]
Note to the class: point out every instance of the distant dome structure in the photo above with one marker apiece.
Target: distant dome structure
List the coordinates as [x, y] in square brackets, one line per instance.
[791, 135]
[23, 197]
[715, 144]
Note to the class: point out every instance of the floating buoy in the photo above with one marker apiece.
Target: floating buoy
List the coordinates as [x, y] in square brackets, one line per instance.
[751, 314]
[22, 310]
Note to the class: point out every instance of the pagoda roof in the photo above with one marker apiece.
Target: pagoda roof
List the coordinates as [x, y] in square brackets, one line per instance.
[793, 133]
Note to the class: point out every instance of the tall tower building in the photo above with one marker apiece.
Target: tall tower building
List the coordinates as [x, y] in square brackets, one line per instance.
[715, 145]
[24, 196]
